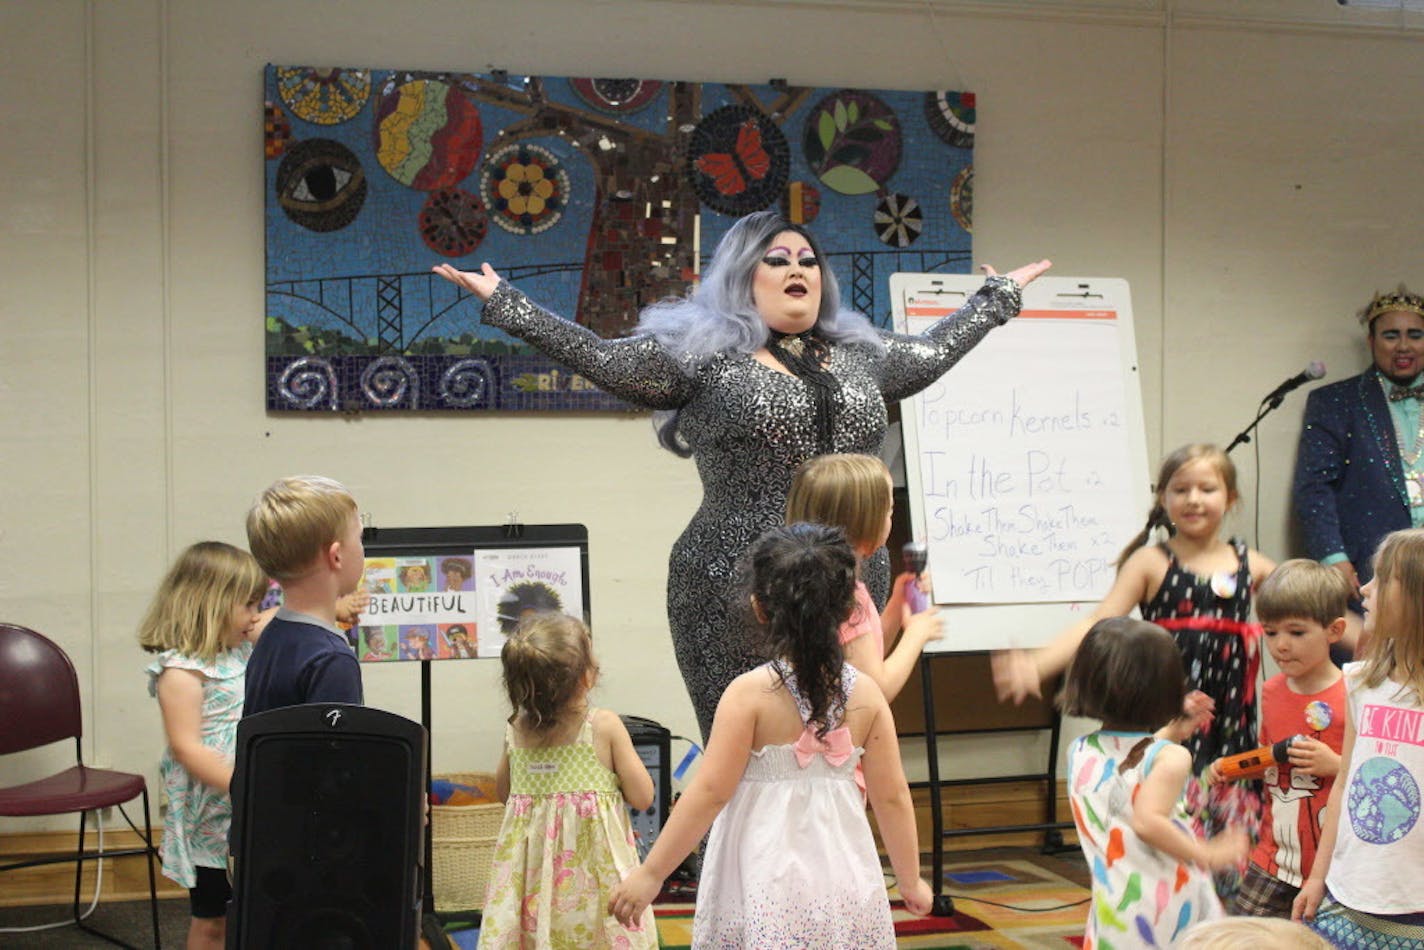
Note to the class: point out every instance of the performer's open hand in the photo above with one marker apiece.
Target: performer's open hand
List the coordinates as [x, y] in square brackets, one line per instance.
[1023, 276]
[481, 283]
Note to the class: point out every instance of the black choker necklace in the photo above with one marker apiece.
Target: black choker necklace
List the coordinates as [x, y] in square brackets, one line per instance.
[806, 355]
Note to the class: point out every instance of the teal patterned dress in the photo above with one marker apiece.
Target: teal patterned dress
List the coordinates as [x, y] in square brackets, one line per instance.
[565, 843]
[196, 824]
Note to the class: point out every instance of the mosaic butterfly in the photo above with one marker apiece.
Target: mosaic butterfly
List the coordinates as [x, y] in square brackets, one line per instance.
[729, 171]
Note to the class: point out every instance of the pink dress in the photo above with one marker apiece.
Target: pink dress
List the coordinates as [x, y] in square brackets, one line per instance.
[864, 621]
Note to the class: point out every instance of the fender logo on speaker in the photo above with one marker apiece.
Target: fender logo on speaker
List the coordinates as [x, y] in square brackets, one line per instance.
[333, 717]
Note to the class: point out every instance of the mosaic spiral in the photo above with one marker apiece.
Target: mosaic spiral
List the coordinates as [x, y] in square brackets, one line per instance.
[467, 383]
[308, 382]
[389, 381]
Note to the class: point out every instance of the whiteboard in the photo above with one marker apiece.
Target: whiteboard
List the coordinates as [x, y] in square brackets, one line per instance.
[1026, 463]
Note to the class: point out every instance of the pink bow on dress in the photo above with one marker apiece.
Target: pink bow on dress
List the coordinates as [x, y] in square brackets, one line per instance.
[835, 748]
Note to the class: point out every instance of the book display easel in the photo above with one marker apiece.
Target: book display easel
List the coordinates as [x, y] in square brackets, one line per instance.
[452, 593]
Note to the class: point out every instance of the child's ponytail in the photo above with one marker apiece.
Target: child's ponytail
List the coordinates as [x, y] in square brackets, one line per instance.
[1156, 518]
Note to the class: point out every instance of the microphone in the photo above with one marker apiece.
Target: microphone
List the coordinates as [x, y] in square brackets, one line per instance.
[1254, 763]
[915, 555]
[1313, 370]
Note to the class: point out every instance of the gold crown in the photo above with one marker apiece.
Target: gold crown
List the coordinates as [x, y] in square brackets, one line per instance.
[1402, 299]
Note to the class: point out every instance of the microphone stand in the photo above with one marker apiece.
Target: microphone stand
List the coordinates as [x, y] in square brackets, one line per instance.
[1268, 405]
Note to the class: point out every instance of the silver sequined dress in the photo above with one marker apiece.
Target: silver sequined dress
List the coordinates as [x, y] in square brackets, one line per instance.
[749, 427]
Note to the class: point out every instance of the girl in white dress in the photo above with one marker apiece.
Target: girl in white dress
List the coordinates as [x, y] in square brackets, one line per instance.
[791, 861]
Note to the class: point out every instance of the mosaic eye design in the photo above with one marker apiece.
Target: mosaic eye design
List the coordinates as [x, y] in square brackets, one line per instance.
[321, 185]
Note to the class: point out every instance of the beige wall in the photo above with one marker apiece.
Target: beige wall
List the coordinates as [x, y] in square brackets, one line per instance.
[1250, 166]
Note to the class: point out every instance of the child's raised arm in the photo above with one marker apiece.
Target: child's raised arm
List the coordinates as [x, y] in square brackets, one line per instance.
[891, 672]
[1020, 673]
[889, 796]
[180, 698]
[1157, 798]
[728, 748]
[633, 778]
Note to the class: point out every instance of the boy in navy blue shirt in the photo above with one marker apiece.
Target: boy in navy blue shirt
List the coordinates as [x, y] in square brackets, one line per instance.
[306, 534]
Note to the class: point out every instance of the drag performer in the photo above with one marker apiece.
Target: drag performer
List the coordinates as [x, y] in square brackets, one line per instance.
[1359, 472]
[756, 371]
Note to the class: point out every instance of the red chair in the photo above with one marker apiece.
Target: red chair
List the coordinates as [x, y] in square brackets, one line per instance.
[39, 704]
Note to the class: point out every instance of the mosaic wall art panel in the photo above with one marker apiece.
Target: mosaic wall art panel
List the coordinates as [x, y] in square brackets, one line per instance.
[593, 196]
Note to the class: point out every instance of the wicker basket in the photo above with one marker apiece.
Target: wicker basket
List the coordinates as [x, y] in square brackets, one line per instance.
[462, 846]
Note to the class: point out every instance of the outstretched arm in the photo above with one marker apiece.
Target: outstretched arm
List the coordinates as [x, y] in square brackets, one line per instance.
[636, 368]
[1020, 673]
[914, 362]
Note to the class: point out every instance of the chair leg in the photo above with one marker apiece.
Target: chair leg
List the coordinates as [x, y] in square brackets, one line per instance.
[152, 881]
[79, 867]
[99, 858]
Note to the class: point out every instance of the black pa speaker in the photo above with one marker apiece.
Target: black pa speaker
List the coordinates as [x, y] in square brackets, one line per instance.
[327, 824]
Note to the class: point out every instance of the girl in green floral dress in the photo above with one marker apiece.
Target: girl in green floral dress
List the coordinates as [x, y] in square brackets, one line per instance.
[567, 775]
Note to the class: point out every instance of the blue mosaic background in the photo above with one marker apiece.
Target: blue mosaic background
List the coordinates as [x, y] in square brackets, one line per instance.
[355, 321]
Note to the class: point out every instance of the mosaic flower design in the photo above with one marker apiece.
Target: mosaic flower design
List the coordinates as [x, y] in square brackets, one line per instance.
[961, 205]
[898, 220]
[951, 117]
[852, 142]
[323, 96]
[525, 188]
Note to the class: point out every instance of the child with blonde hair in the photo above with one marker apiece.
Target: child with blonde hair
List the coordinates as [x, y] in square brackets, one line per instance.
[1151, 873]
[306, 533]
[855, 493]
[200, 624]
[1363, 890]
[566, 776]
[791, 861]
[1258, 933]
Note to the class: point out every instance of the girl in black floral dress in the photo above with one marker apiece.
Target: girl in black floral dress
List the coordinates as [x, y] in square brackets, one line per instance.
[1197, 586]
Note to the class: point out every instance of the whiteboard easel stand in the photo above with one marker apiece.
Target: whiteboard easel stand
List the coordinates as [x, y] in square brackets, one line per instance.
[1059, 382]
[1052, 827]
[382, 542]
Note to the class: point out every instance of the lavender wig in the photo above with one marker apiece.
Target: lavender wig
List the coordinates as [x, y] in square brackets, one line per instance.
[720, 316]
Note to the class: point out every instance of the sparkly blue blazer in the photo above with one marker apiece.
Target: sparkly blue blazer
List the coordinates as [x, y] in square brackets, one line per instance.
[1349, 481]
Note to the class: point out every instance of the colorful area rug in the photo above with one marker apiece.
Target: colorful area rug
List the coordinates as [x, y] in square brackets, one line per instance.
[999, 902]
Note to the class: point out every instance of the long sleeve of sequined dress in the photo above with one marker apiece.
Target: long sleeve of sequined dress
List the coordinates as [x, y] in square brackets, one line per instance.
[914, 362]
[636, 368]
